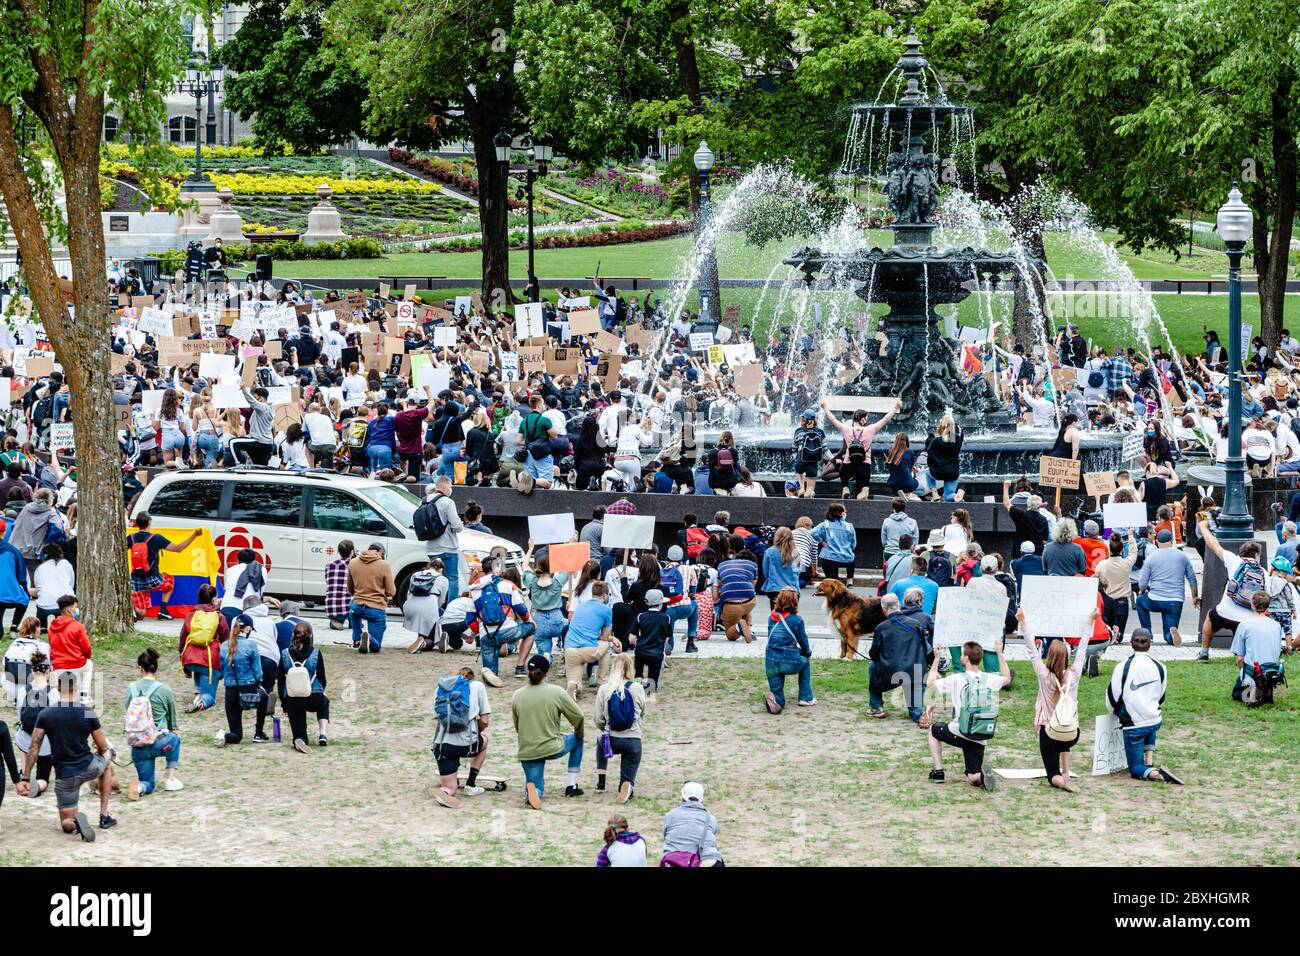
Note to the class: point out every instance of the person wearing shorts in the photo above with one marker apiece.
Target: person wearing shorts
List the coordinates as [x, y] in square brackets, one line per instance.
[146, 581]
[735, 591]
[67, 724]
[451, 747]
[1228, 613]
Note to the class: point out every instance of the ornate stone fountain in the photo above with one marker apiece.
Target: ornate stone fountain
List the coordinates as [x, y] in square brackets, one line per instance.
[919, 365]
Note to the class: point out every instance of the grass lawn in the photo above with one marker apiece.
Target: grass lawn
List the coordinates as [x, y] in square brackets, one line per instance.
[823, 785]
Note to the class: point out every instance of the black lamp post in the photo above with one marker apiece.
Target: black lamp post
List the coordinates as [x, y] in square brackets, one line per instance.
[1234, 225]
[709, 267]
[198, 83]
[540, 153]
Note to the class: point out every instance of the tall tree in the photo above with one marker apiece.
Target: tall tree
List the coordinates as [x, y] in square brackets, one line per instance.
[301, 92]
[62, 62]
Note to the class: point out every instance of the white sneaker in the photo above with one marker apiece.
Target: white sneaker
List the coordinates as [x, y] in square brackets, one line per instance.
[474, 791]
[808, 703]
[219, 740]
[491, 679]
[173, 785]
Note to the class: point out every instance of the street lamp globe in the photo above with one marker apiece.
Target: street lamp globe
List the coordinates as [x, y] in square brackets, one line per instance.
[502, 143]
[704, 157]
[1235, 220]
[543, 149]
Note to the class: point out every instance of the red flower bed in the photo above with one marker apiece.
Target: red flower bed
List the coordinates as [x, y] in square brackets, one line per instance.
[444, 172]
[607, 237]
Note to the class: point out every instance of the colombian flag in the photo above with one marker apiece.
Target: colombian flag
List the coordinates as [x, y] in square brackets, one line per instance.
[188, 570]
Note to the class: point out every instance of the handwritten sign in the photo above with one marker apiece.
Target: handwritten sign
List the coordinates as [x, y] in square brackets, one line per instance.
[61, 437]
[716, 355]
[1132, 446]
[1058, 606]
[509, 366]
[1098, 483]
[1108, 746]
[532, 358]
[1059, 472]
[969, 614]
[528, 320]
[700, 341]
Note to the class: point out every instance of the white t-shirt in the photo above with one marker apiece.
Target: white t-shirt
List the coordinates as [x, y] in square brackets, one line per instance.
[1258, 444]
[1044, 411]
[1286, 442]
[612, 578]
[53, 580]
[608, 423]
[952, 688]
[228, 599]
[320, 430]
[292, 454]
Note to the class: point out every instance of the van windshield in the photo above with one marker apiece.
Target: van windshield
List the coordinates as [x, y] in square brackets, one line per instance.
[398, 502]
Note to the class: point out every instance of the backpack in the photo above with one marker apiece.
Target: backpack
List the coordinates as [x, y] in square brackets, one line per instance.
[491, 609]
[856, 452]
[427, 522]
[203, 632]
[697, 539]
[43, 412]
[451, 703]
[1064, 724]
[1265, 679]
[422, 584]
[670, 581]
[1096, 379]
[622, 709]
[1248, 579]
[297, 682]
[812, 444]
[724, 459]
[354, 433]
[139, 555]
[141, 730]
[939, 568]
[979, 709]
[538, 447]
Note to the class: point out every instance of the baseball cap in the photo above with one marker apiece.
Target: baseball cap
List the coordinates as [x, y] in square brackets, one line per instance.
[654, 597]
[692, 790]
[1165, 536]
[538, 663]
[377, 546]
[989, 563]
[809, 414]
[1090, 527]
[675, 553]
[1027, 547]
[792, 486]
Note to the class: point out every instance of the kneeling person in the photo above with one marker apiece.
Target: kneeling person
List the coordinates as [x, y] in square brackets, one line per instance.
[463, 713]
[975, 706]
[1258, 646]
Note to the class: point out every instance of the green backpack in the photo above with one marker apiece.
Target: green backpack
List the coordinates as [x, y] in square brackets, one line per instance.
[979, 709]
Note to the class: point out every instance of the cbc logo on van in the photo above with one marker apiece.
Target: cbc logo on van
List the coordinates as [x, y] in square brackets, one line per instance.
[229, 545]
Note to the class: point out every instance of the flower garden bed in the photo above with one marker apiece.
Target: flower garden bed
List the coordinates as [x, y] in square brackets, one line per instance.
[605, 234]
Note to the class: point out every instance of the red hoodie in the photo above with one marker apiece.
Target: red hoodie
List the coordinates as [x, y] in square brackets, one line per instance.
[69, 643]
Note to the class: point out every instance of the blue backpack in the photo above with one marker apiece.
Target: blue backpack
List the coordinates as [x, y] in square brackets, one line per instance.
[491, 609]
[622, 709]
[670, 581]
[451, 705]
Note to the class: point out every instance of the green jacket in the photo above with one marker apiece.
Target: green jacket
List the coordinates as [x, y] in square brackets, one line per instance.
[539, 712]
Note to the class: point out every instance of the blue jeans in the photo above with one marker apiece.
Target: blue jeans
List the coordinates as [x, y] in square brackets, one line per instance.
[491, 641]
[451, 567]
[380, 457]
[375, 620]
[210, 444]
[450, 455]
[878, 700]
[949, 485]
[550, 625]
[1170, 613]
[687, 611]
[205, 687]
[778, 668]
[167, 745]
[1137, 741]
[535, 770]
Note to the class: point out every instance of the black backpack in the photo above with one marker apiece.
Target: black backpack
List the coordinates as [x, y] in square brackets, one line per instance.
[1096, 379]
[43, 412]
[427, 521]
[939, 568]
[811, 446]
[855, 452]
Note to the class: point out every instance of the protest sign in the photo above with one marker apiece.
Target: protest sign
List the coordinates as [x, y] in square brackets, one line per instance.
[737, 354]
[700, 341]
[479, 361]
[61, 438]
[509, 366]
[408, 291]
[1063, 378]
[1108, 746]
[273, 349]
[432, 313]
[286, 415]
[870, 403]
[357, 301]
[227, 396]
[584, 322]
[462, 306]
[608, 370]
[532, 358]
[973, 335]
[528, 320]
[562, 361]
[406, 314]
[213, 367]
[38, 366]
[437, 379]
[151, 400]
[444, 336]
[551, 529]
[1099, 483]
[969, 614]
[607, 342]
[117, 363]
[384, 290]
[1132, 446]
[154, 322]
[279, 395]
[627, 531]
[749, 380]
[716, 355]
[642, 338]
[1059, 472]
[1131, 514]
[569, 558]
[1058, 606]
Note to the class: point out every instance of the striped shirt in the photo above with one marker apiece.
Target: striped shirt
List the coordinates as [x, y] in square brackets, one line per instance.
[805, 547]
[736, 578]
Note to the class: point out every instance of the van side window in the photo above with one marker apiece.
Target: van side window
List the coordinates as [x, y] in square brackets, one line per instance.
[339, 511]
[188, 499]
[258, 503]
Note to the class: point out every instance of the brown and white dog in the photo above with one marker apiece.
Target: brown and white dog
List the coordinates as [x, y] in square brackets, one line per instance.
[852, 617]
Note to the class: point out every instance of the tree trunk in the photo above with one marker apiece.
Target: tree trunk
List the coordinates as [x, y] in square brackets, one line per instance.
[489, 115]
[1271, 255]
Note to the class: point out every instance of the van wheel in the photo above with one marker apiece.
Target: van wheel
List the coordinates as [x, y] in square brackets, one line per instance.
[403, 585]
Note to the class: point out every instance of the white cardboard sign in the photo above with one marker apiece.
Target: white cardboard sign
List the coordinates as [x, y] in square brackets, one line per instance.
[969, 614]
[627, 531]
[551, 529]
[1108, 746]
[61, 437]
[1058, 606]
[1129, 514]
[528, 320]
[228, 396]
[213, 366]
[700, 341]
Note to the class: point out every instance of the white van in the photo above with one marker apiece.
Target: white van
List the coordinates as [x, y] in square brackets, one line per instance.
[295, 520]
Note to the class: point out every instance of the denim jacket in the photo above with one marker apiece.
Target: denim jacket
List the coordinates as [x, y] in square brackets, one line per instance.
[246, 669]
[787, 640]
[838, 540]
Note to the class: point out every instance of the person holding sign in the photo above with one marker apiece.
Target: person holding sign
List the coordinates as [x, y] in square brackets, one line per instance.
[856, 464]
[1056, 712]
[974, 720]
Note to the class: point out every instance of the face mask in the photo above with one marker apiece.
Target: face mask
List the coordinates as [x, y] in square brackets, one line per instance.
[76, 615]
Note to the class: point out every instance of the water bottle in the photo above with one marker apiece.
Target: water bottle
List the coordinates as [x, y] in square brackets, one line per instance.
[275, 729]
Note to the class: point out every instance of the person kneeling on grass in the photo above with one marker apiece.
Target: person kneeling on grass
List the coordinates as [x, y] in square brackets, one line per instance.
[1056, 712]
[1136, 691]
[788, 652]
[538, 710]
[303, 691]
[463, 712]
[902, 642]
[975, 706]
[1258, 646]
[151, 728]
